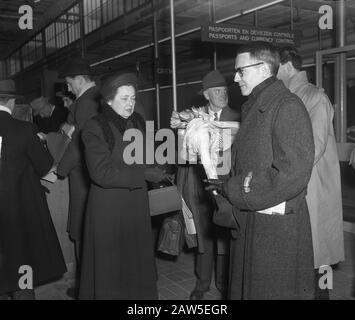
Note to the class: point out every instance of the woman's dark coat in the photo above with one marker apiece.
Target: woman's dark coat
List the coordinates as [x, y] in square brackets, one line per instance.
[118, 257]
[271, 255]
[27, 234]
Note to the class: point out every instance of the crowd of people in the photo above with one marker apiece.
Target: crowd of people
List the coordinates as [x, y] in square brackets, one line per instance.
[268, 226]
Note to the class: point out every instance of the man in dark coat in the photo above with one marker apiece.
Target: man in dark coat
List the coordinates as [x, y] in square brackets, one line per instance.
[263, 201]
[27, 235]
[212, 241]
[77, 75]
[47, 116]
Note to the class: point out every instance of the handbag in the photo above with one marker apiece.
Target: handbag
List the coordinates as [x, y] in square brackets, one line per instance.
[164, 198]
[171, 238]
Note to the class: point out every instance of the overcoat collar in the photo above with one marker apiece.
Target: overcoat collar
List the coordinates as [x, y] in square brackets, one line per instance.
[260, 87]
[271, 89]
[264, 96]
[88, 93]
[298, 80]
[268, 97]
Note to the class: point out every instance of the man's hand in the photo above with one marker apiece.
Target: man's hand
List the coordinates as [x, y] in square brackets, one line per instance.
[213, 185]
[67, 129]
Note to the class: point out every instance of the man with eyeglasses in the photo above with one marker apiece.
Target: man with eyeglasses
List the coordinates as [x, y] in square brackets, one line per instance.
[263, 201]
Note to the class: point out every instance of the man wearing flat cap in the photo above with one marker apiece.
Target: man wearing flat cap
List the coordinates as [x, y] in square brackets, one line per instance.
[77, 74]
[27, 234]
[190, 181]
[47, 116]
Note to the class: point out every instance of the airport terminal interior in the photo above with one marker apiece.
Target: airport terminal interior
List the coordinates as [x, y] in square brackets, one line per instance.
[171, 45]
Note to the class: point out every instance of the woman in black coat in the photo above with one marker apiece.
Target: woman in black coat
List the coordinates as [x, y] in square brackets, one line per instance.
[118, 258]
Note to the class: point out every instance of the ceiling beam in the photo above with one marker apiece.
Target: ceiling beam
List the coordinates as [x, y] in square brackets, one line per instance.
[51, 11]
[13, 17]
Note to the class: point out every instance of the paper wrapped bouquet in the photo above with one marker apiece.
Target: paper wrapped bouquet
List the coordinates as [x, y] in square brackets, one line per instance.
[203, 138]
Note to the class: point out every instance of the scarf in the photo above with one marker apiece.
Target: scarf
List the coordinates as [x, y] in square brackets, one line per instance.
[108, 115]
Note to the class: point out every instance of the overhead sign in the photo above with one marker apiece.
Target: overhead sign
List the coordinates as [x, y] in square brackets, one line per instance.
[230, 33]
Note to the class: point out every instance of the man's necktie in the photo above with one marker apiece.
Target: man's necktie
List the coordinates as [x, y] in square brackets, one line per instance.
[220, 143]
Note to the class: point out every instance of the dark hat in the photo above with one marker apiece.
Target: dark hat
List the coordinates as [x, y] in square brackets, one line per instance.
[8, 88]
[75, 67]
[211, 80]
[109, 85]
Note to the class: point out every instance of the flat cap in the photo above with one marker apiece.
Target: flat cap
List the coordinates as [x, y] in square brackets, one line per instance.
[213, 79]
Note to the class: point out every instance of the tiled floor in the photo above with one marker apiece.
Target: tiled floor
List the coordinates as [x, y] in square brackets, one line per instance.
[176, 278]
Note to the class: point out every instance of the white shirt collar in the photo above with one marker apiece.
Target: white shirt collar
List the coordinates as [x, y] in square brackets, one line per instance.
[213, 113]
[2, 108]
[53, 107]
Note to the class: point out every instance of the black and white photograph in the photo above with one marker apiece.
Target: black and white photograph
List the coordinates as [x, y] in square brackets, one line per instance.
[177, 155]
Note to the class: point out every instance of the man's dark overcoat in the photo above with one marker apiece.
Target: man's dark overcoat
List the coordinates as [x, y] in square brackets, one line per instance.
[271, 255]
[73, 162]
[27, 234]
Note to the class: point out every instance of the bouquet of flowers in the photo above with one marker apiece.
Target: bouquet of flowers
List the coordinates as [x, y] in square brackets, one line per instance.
[202, 137]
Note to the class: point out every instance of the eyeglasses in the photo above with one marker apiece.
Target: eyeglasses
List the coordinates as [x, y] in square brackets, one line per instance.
[239, 71]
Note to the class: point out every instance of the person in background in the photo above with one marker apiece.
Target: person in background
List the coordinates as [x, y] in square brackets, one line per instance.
[324, 188]
[264, 199]
[68, 99]
[77, 74]
[212, 242]
[47, 116]
[28, 240]
[118, 257]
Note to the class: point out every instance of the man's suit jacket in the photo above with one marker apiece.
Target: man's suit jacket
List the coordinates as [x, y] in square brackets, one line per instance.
[27, 234]
[73, 161]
